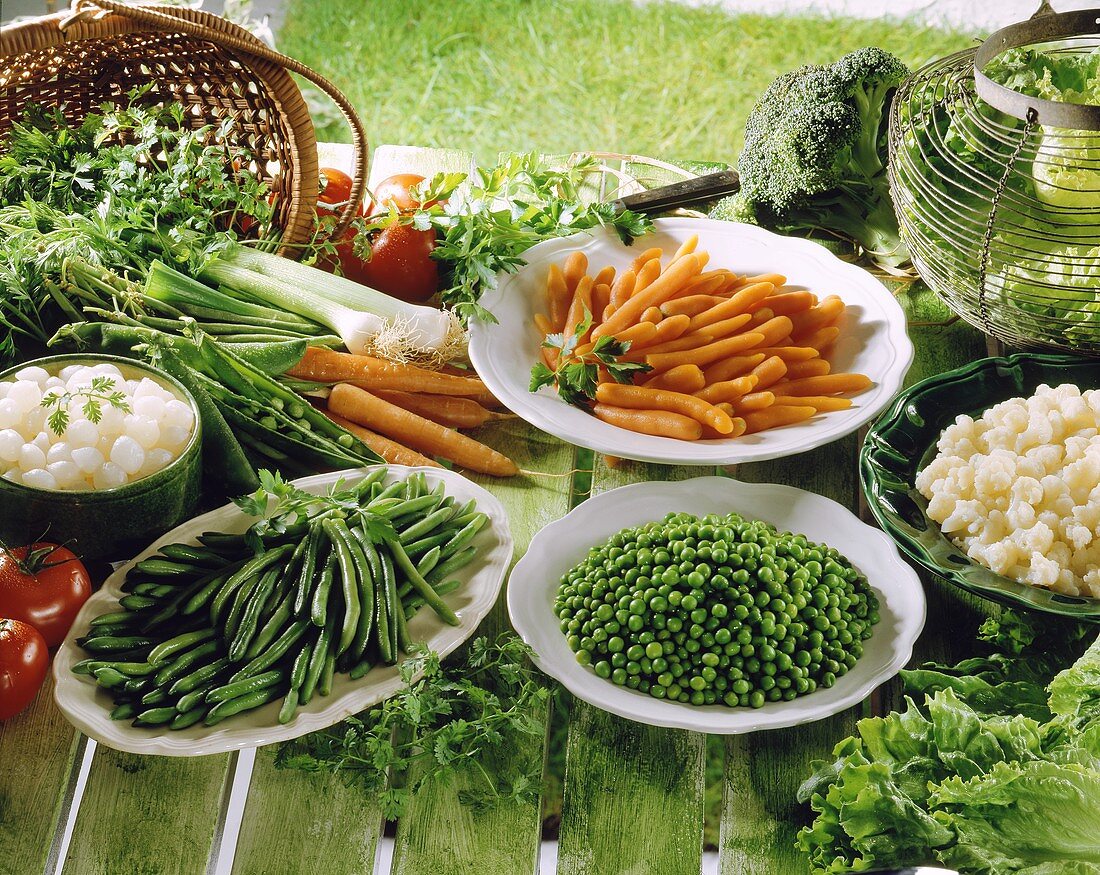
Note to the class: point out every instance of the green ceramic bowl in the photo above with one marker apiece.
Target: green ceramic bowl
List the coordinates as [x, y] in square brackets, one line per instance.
[903, 441]
[107, 523]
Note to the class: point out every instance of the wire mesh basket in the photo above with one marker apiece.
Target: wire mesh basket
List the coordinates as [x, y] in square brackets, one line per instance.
[998, 192]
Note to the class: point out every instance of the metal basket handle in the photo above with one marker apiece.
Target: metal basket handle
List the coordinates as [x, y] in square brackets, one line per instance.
[1038, 29]
[167, 17]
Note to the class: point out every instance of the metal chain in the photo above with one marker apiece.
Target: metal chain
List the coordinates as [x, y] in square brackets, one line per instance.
[987, 237]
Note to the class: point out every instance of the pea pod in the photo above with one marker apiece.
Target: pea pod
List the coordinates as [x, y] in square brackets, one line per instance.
[171, 672]
[164, 651]
[430, 596]
[125, 711]
[467, 534]
[444, 569]
[187, 718]
[319, 610]
[245, 631]
[114, 643]
[426, 525]
[198, 677]
[253, 567]
[366, 600]
[271, 630]
[157, 566]
[275, 652]
[155, 717]
[339, 536]
[308, 571]
[290, 705]
[316, 665]
[244, 686]
[193, 555]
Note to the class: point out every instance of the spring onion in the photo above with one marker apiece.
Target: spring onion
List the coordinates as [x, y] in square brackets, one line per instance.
[367, 320]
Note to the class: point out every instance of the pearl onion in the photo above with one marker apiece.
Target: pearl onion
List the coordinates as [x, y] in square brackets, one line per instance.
[146, 388]
[59, 452]
[33, 373]
[151, 406]
[111, 422]
[42, 441]
[68, 371]
[39, 478]
[142, 429]
[10, 414]
[31, 457]
[67, 475]
[155, 460]
[87, 459]
[13, 474]
[173, 437]
[128, 454]
[82, 433]
[108, 476]
[11, 442]
[179, 413]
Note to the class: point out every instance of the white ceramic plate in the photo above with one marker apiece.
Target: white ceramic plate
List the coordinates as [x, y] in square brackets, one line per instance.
[87, 706]
[873, 340]
[562, 544]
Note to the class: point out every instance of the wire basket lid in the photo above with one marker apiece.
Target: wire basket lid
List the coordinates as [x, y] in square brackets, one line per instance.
[1045, 26]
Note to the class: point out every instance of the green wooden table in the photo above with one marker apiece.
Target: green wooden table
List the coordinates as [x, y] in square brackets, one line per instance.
[633, 795]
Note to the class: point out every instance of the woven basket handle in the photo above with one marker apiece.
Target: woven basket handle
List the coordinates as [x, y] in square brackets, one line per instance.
[165, 17]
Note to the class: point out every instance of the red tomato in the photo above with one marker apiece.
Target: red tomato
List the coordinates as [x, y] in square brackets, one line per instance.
[337, 186]
[397, 189]
[23, 661]
[401, 264]
[43, 585]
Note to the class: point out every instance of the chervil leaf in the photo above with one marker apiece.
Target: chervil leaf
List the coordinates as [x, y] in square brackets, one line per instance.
[541, 376]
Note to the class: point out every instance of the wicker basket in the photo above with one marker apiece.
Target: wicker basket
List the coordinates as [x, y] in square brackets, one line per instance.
[96, 52]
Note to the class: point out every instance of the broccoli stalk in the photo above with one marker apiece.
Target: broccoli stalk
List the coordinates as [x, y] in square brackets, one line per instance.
[815, 154]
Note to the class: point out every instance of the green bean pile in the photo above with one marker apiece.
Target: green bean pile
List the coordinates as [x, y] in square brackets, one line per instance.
[208, 631]
[716, 610]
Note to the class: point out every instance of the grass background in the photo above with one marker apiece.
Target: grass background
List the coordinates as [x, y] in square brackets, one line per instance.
[653, 78]
[650, 78]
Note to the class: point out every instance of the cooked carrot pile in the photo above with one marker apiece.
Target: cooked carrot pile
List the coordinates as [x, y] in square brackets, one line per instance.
[680, 351]
[406, 414]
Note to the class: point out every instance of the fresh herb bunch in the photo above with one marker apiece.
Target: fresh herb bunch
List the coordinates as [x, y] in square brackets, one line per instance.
[128, 185]
[491, 218]
[577, 376]
[445, 726]
[102, 391]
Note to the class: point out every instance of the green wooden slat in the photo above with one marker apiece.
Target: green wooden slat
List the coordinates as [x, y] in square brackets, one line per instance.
[633, 793]
[37, 753]
[293, 820]
[439, 834]
[144, 815]
[763, 770]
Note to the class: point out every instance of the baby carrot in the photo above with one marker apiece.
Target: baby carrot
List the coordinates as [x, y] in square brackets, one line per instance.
[670, 328]
[687, 247]
[558, 297]
[649, 254]
[820, 402]
[728, 390]
[704, 355]
[680, 344]
[692, 305]
[601, 297]
[418, 433]
[653, 295]
[732, 367]
[809, 368]
[582, 303]
[574, 268]
[791, 353]
[655, 422]
[769, 372]
[637, 334]
[727, 326]
[828, 384]
[790, 302]
[761, 315]
[739, 303]
[646, 275]
[776, 279]
[775, 416]
[754, 401]
[642, 398]
[621, 289]
[653, 314]
[683, 378]
[825, 313]
[821, 338]
[606, 276]
[737, 431]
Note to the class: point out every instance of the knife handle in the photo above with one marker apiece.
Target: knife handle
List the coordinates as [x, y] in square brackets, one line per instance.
[681, 194]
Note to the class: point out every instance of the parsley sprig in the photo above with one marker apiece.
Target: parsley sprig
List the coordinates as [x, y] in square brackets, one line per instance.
[577, 376]
[458, 721]
[102, 391]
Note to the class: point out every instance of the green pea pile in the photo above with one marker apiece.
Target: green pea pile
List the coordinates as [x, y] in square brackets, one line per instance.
[716, 609]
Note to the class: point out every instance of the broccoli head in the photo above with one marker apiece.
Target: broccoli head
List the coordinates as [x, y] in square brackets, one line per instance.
[815, 153]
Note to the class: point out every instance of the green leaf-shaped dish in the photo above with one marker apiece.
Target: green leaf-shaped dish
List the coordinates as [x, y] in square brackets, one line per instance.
[903, 440]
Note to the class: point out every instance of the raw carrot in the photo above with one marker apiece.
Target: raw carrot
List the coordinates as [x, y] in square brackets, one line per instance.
[419, 433]
[447, 410]
[728, 390]
[574, 268]
[820, 402]
[391, 451]
[828, 384]
[642, 398]
[775, 416]
[704, 355]
[653, 295]
[790, 302]
[692, 305]
[819, 339]
[667, 329]
[732, 367]
[655, 422]
[769, 372]
[649, 254]
[683, 378]
[810, 368]
[558, 297]
[328, 366]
